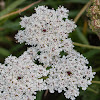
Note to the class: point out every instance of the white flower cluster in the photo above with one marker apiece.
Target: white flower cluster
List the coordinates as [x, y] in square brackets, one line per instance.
[68, 74]
[20, 78]
[51, 63]
[47, 31]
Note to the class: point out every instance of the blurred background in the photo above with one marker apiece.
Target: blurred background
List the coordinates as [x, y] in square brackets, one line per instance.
[9, 26]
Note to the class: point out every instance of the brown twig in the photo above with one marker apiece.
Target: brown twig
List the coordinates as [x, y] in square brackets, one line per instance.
[46, 92]
[82, 11]
[1, 29]
[20, 10]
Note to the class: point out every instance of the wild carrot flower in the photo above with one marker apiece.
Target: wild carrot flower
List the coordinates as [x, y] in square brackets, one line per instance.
[51, 63]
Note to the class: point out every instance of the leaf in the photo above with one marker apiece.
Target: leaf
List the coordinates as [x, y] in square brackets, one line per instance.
[49, 67]
[91, 53]
[39, 95]
[73, 13]
[62, 53]
[16, 48]
[81, 36]
[4, 52]
[5, 40]
[77, 1]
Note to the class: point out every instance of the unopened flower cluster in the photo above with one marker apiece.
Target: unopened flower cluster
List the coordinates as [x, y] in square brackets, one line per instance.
[94, 14]
[50, 63]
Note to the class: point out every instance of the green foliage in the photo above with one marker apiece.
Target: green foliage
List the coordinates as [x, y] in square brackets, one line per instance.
[49, 67]
[81, 36]
[39, 95]
[10, 26]
[11, 7]
[4, 52]
[62, 53]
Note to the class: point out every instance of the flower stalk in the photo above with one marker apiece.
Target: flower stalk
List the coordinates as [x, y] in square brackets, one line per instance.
[86, 46]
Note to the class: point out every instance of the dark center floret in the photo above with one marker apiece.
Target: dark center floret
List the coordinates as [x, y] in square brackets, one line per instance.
[69, 73]
[24, 93]
[32, 94]
[44, 30]
[19, 77]
[2, 91]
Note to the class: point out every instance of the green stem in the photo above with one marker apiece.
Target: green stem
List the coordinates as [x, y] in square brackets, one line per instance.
[92, 90]
[86, 46]
[97, 82]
